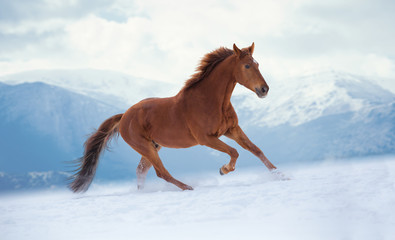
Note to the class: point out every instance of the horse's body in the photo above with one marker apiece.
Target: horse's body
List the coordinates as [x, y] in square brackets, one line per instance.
[199, 114]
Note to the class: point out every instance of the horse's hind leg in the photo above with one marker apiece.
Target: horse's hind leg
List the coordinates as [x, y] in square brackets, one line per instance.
[142, 169]
[150, 153]
[161, 171]
[141, 172]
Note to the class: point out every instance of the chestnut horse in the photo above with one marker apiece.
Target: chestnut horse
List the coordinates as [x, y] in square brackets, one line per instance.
[199, 114]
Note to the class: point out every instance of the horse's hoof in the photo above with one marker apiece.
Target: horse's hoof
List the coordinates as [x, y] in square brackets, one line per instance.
[279, 175]
[220, 172]
[188, 188]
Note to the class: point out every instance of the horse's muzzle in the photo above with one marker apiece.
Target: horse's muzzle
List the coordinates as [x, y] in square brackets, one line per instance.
[262, 91]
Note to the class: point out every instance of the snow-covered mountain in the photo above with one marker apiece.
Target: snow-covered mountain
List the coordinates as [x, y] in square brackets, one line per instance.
[107, 86]
[32, 180]
[47, 116]
[43, 127]
[52, 110]
[302, 99]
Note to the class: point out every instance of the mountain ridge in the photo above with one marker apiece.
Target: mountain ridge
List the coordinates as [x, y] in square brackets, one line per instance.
[312, 96]
[107, 86]
[45, 125]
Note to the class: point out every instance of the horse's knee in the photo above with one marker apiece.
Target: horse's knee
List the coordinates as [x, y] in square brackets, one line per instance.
[158, 174]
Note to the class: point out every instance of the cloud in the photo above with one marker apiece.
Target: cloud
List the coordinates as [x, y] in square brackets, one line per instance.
[24, 10]
[170, 38]
[164, 40]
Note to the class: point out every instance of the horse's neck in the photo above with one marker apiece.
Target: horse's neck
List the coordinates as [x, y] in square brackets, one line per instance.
[218, 87]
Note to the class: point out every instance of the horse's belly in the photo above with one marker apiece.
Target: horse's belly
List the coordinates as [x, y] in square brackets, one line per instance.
[176, 143]
[173, 137]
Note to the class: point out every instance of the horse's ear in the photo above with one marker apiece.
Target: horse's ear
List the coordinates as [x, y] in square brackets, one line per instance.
[251, 48]
[237, 50]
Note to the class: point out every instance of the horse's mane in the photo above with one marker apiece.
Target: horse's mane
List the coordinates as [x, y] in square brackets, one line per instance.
[207, 64]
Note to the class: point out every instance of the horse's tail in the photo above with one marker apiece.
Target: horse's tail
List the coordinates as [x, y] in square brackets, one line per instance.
[94, 146]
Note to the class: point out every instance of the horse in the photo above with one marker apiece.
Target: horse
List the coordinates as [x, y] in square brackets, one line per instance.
[200, 113]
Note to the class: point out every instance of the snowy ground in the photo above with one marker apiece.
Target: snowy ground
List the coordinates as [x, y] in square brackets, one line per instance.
[345, 200]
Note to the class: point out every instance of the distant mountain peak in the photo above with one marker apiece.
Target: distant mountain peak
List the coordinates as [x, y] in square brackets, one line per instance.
[113, 87]
[301, 99]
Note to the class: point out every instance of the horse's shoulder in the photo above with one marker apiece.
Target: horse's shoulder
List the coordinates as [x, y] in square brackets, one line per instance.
[230, 115]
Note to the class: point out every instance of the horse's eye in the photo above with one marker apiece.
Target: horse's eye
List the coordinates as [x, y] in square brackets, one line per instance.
[247, 66]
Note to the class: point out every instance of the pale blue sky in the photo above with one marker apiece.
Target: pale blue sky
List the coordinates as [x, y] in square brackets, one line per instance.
[164, 40]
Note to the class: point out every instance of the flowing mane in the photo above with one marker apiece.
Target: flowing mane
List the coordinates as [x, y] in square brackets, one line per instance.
[207, 64]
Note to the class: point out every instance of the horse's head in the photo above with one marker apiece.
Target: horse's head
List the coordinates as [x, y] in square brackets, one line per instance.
[247, 72]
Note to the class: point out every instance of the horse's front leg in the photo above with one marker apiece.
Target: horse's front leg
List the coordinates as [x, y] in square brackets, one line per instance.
[215, 143]
[239, 136]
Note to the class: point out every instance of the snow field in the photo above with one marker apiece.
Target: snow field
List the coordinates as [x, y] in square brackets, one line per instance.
[336, 200]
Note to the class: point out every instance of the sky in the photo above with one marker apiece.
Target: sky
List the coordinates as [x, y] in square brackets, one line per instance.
[164, 40]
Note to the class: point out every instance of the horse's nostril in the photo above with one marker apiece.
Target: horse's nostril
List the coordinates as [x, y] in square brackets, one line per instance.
[261, 91]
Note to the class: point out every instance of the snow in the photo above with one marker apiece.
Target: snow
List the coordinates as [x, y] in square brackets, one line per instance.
[348, 199]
